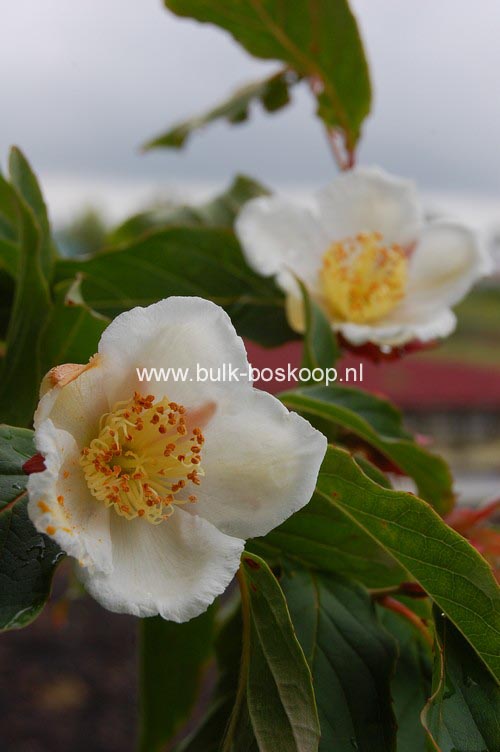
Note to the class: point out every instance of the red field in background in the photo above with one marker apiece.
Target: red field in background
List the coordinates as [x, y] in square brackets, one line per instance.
[412, 382]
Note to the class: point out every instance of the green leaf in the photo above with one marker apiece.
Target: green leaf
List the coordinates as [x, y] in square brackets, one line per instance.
[7, 292]
[26, 184]
[320, 343]
[449, 569]
[373, 472]
[352, 659]
[275, 699]
[8, 212]
[377, 422]
[208, 736]
[20, 373]
[321, 537]
[272, 92]
[183, 261]
[72, 332]
[463, 714]
[173, 661]
[9, 256]
[9, 234]
[219, 212]
[318, 39]
[27, 558]
[411, 683]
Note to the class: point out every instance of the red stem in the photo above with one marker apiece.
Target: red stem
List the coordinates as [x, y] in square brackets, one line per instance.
[399, 608]
[462, 520]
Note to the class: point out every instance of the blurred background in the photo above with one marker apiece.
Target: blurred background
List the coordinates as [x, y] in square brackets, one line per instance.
[84, 84]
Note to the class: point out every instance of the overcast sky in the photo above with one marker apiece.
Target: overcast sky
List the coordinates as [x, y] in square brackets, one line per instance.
[83, 83]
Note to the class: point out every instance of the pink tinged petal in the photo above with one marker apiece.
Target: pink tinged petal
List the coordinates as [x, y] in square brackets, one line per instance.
[175, 569]
[261, 464]
[282, 238]
[446, 263]
[61, 505]
[178, 333]
[371, 200]
[77, 406]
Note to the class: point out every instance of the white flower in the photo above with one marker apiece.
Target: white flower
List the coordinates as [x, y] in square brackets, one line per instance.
[153, 487]
[364, 255]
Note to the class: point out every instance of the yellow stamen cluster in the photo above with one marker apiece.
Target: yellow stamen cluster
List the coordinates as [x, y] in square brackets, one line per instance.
[145, 459]
[362, 279]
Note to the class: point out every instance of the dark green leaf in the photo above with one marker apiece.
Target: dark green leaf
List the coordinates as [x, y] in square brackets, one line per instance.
[272, 92]
[8, 212]
[351, 658]
[411, 683]
[219, 212]
[323, 538]
[463, 714]
[275, 699]
[369, 469]
[377, 422]
[26, 184]
[320, 343]
[173, 660]
[7, 291]
[183, 261]
[9, 256]
[72, 332]
[27, 558]
[210, 733]
[20, 373]
[9, 234]
[449, 569]
[318, 39]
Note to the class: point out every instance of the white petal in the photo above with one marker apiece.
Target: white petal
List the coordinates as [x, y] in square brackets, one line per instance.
[446, 263]
[175, 569]
[401, 329]
[371, 200]
[261, 464]
[61, 505]
[178, 333]
[78, 406]
[278, 235]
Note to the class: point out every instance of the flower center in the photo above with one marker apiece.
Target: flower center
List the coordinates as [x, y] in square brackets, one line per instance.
[362, 279]
[144, 459]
